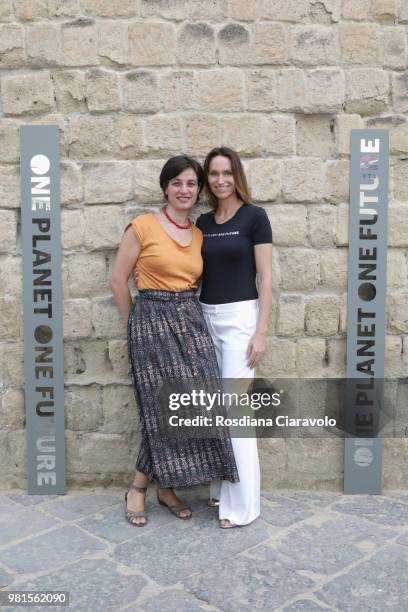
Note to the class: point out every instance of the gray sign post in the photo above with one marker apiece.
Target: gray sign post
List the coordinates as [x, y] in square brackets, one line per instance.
[366, 310]
[43, 356]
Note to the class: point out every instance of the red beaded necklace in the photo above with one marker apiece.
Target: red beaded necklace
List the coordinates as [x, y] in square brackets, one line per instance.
[166, 214]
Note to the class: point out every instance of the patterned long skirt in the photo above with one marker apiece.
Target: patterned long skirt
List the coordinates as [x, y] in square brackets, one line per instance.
[168, 341]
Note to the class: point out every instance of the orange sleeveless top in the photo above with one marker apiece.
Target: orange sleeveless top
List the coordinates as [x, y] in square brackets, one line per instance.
[163, 263]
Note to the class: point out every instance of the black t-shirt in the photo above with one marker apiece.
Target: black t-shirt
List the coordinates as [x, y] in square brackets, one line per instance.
[228, 252]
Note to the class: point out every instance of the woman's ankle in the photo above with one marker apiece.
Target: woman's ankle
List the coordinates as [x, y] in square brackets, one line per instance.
[140, 480]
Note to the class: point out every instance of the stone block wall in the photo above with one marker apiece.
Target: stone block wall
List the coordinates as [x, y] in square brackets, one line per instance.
[130, 83]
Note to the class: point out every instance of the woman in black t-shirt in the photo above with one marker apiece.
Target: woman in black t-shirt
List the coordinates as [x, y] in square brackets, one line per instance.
[237, 254]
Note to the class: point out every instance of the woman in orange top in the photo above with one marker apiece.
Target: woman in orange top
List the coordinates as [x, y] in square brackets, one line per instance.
[168, 340]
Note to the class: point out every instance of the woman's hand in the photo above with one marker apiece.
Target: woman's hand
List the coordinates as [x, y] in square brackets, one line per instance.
[256, 349]
[136, 276]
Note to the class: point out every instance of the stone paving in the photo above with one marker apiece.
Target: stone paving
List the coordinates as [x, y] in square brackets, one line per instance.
[309, 551]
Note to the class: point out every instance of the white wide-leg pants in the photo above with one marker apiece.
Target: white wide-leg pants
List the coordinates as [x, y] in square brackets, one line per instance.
[231, 327]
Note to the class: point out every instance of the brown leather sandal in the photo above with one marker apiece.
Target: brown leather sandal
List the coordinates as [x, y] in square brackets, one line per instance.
[176, 509]
[230, 526]
[131, 514]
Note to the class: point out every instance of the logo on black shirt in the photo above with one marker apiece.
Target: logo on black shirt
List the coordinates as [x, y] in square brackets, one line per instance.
[221, 234]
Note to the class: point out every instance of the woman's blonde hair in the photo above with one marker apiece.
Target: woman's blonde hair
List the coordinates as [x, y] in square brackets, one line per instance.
[241, 185]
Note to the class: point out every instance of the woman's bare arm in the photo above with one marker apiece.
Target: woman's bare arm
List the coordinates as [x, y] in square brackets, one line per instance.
[263, 261]
[125, 261]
